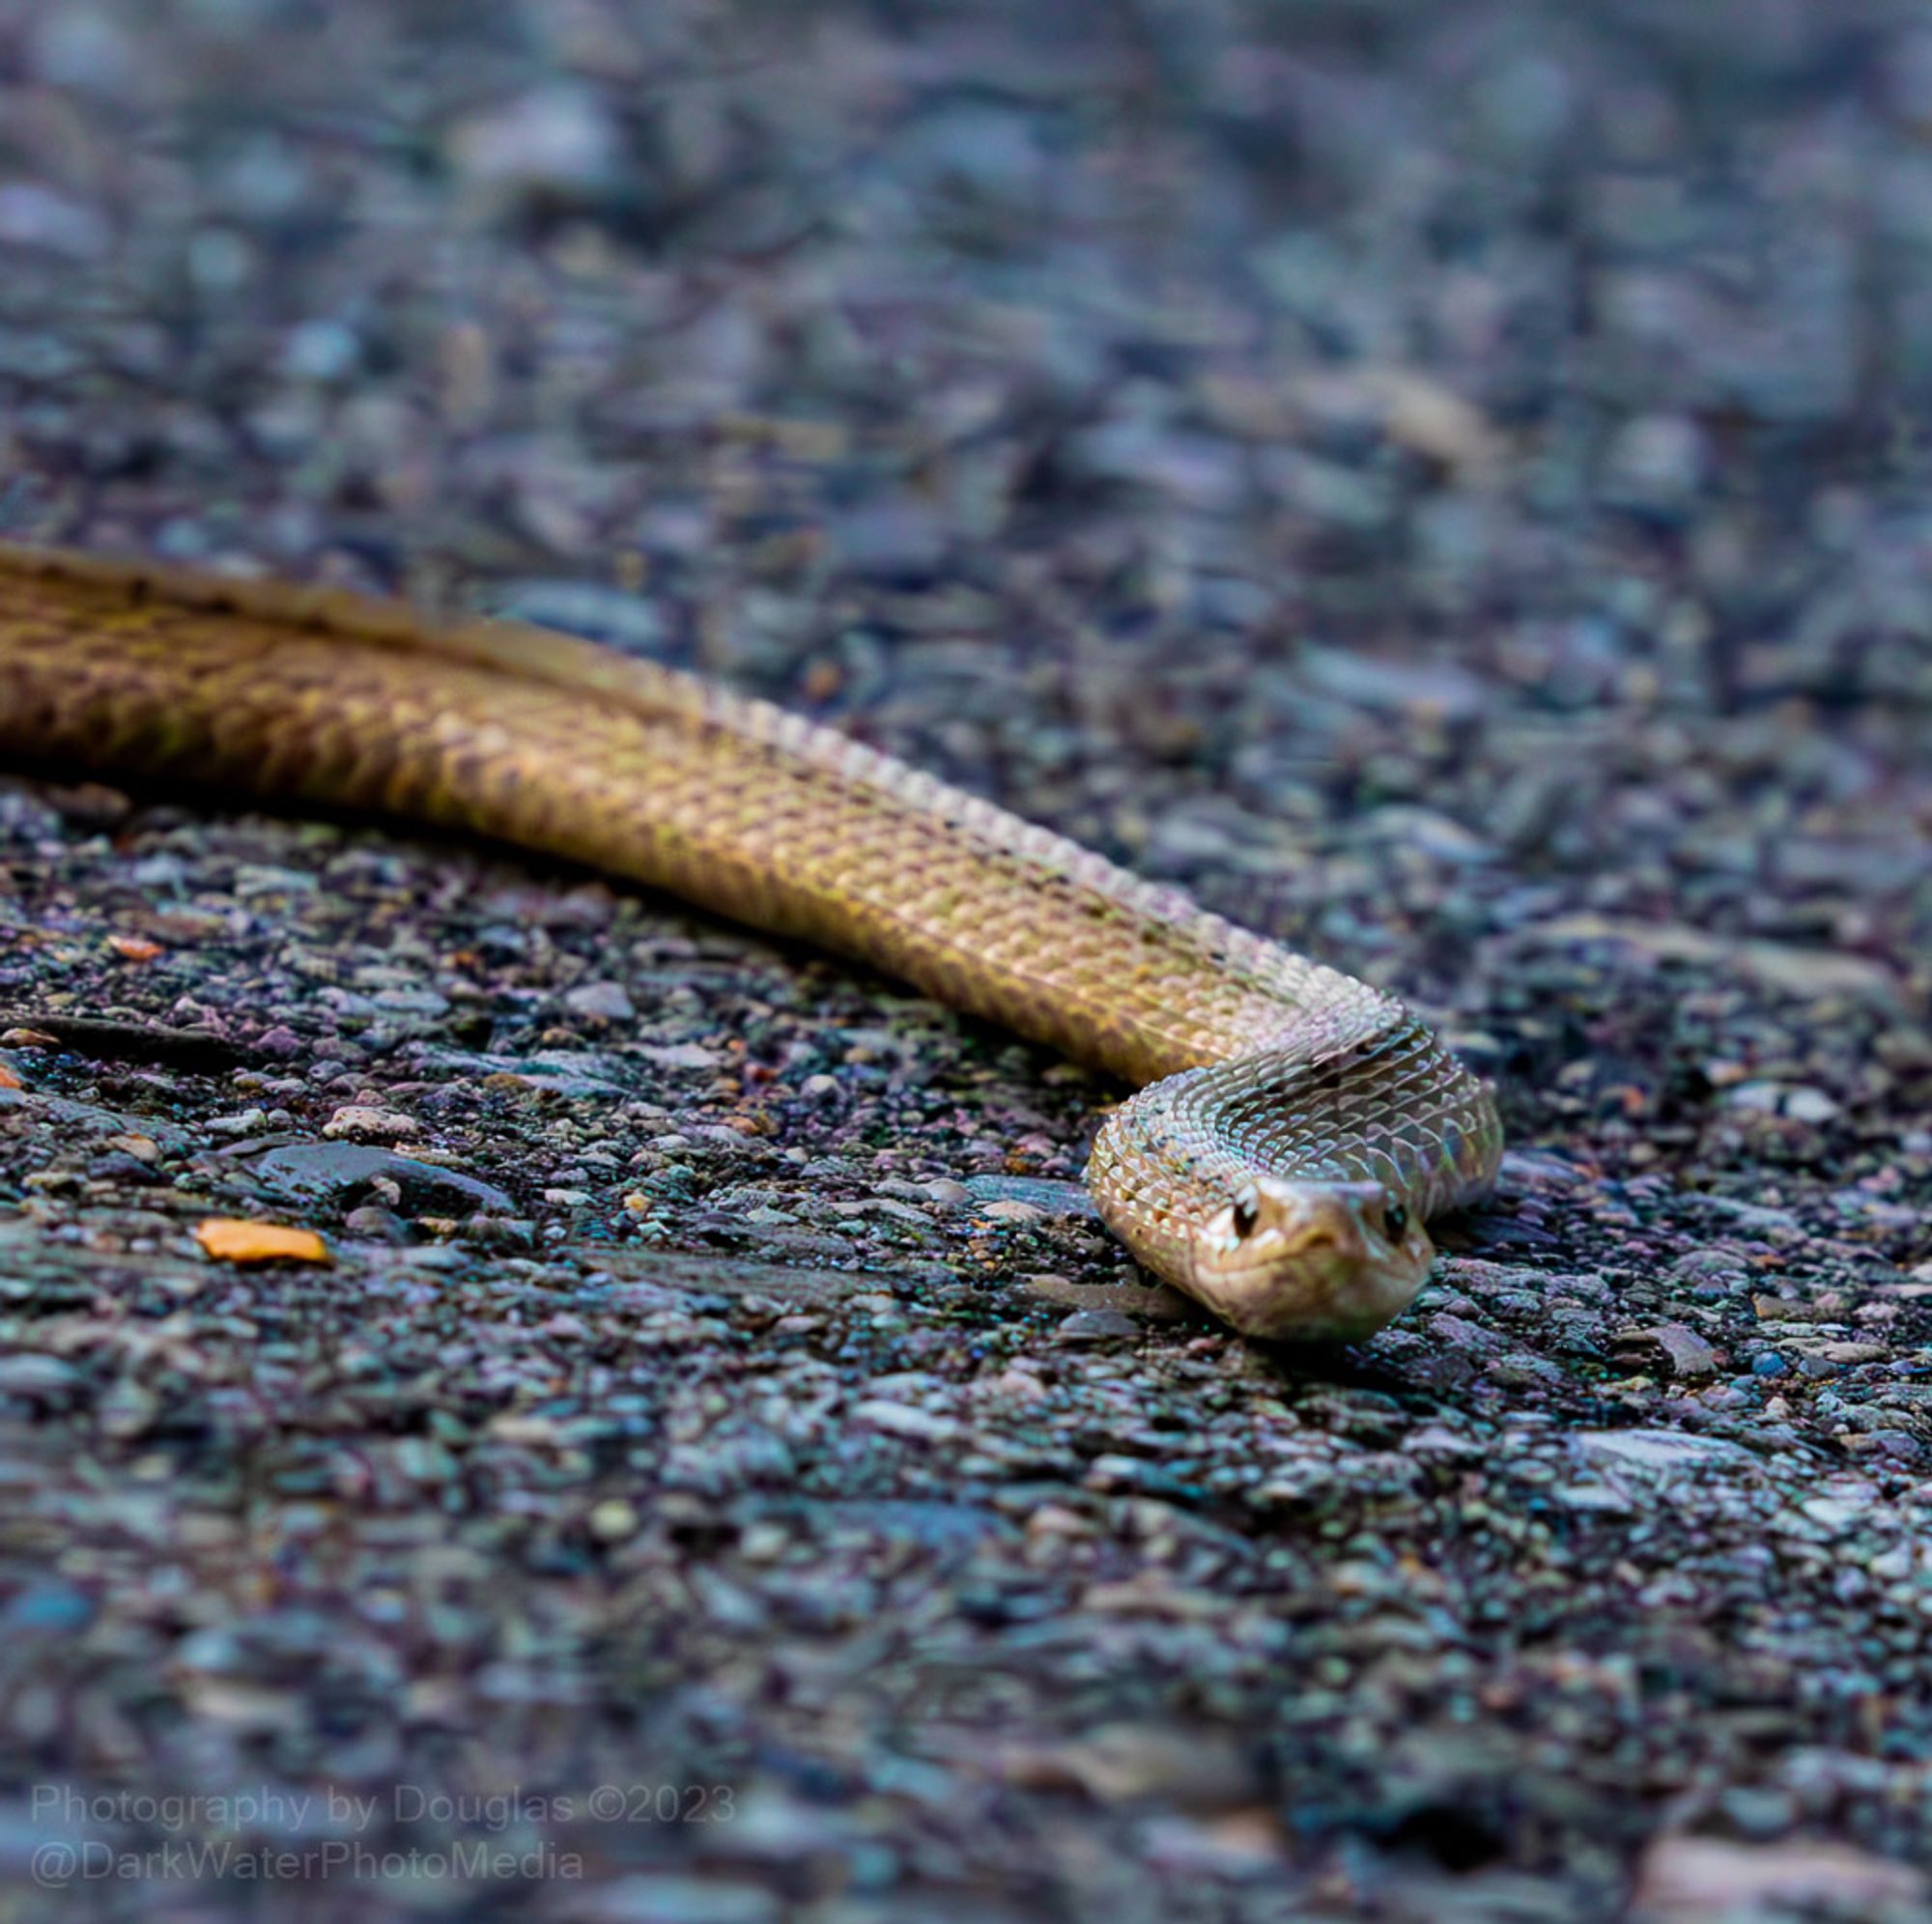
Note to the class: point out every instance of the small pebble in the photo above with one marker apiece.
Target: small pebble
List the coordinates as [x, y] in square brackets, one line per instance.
[1097, 1327]
[359, 1119]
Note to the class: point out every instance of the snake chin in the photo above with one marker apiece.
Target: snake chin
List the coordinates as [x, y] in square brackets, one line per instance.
[1313, 1260]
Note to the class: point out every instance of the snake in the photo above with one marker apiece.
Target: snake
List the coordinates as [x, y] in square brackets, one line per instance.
[1290, 1131]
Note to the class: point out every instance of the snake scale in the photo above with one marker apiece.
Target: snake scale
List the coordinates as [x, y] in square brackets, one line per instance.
[1292, 1127]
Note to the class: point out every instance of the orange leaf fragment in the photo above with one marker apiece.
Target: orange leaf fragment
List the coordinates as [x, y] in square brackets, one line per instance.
[134, 948]
[230, 1239]
[8, 1079]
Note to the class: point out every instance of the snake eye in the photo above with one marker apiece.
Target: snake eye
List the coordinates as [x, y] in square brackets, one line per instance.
[1247, 1212]
[1397, 1219]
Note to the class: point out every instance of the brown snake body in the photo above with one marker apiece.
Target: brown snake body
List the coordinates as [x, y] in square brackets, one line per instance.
[1294, 1126]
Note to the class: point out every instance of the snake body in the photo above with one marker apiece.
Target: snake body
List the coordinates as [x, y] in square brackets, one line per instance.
[1293, 1126]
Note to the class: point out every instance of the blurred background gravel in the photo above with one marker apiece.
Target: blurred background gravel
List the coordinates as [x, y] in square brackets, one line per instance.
[1448, 484]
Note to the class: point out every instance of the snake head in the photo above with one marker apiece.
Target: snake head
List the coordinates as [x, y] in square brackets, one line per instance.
[1331, 1260]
